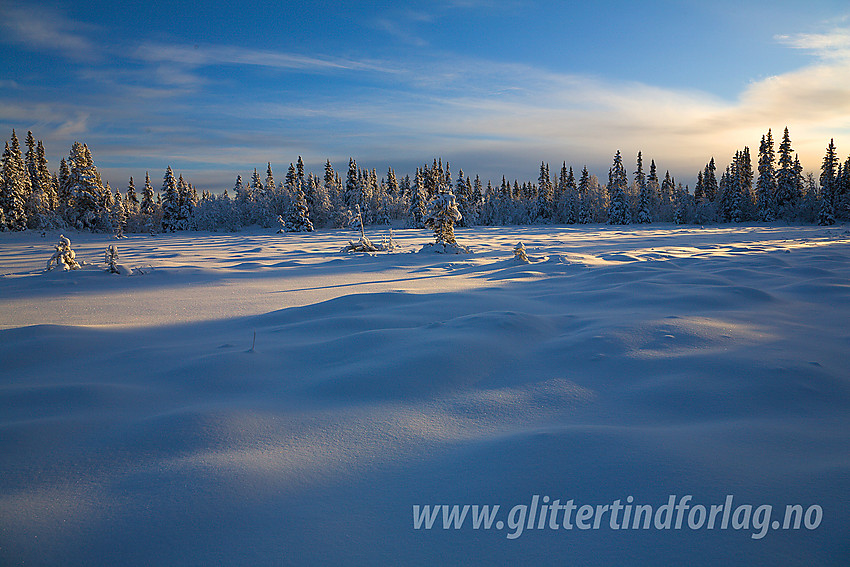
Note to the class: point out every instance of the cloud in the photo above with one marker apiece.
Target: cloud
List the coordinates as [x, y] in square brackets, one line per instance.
[210, 55]
[43, 28]
[831, 45]
[399, 31]
[73, 126]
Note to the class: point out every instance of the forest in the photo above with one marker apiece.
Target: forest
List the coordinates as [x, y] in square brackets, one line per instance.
[774, 188]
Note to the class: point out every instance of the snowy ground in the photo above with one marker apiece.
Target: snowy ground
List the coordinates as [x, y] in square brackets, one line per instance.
[137, 426]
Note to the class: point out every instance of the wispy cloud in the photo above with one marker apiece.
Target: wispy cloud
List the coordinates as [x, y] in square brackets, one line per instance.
[834, 44]
[209, 55]
[400, 31]
[44, 28]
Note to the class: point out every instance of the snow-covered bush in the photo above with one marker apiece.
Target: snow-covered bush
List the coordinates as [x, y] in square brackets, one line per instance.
[442, 216]
[519, 253]
[112, 259]
[364, 244]
[63, 256]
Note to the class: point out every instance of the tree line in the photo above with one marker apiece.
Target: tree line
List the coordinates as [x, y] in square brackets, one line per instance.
[75, 196]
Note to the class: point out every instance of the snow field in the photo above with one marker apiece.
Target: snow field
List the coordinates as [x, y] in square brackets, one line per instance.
[137, 428]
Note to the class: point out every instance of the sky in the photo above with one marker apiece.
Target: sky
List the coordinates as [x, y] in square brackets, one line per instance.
[494, 87]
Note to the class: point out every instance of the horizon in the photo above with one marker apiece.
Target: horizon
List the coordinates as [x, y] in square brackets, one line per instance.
[489, 86]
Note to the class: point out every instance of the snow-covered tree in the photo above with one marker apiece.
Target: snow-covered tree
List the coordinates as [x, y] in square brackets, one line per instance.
[298, 218]
[118, 215]
[644, 200]
[828, 181]
[417, 208]
[787, 182]
[441, 218]
[618, 211]
[111, 258]
[584, 214]
[63, 256]
[520, 253]
[14, 187]
[766, 183]
[170, 201]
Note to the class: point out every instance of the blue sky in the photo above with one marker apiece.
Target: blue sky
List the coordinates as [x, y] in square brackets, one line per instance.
[492, 86]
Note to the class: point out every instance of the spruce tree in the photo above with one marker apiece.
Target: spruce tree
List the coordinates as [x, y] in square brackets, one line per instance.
[170, 201]
[829, 180]
[417, 207]
[147, 206]
[710, 181]
[644, 201]
[477, 199]
[85, 185]
[584, 213]
[766, 184]
[463, 196]
[118, 215]
[132, 201]
[351, 196]
[787, 183]
[654, 191]
[668, 198]
[618, 212]
[544, 197]
[38, 200]
[16, 186]
[841, 195]
[298, 218]
[569, 196]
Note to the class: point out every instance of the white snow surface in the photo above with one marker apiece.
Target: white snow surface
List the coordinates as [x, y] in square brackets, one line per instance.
[139, 427]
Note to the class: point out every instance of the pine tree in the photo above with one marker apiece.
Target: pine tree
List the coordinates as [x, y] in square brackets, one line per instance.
[84, 184]
[618, 212]
[118, 215]
[569, 196]
[132, 198]
[829, 180]
[584, 214]
[667, 198]
[643, 214]
[170, 201]
[147, 206]
[46, 177]
[15, 189]
[477, 199]
[417, 207]
[766, 183]
[841, 195]
[298, 219]
[243, 202]
[680, 202]
[545, 196]
[186, 199]
[787, 183]
[38, 201]
[351, 196]
[463, 194]
[710, 181]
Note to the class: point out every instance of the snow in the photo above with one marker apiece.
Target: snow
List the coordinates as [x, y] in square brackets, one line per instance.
[138, 426]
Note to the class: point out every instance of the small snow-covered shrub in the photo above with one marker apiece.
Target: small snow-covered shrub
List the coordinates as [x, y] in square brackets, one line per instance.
[63, 256]
[112, 259]
[364, 244]
[520, 254]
